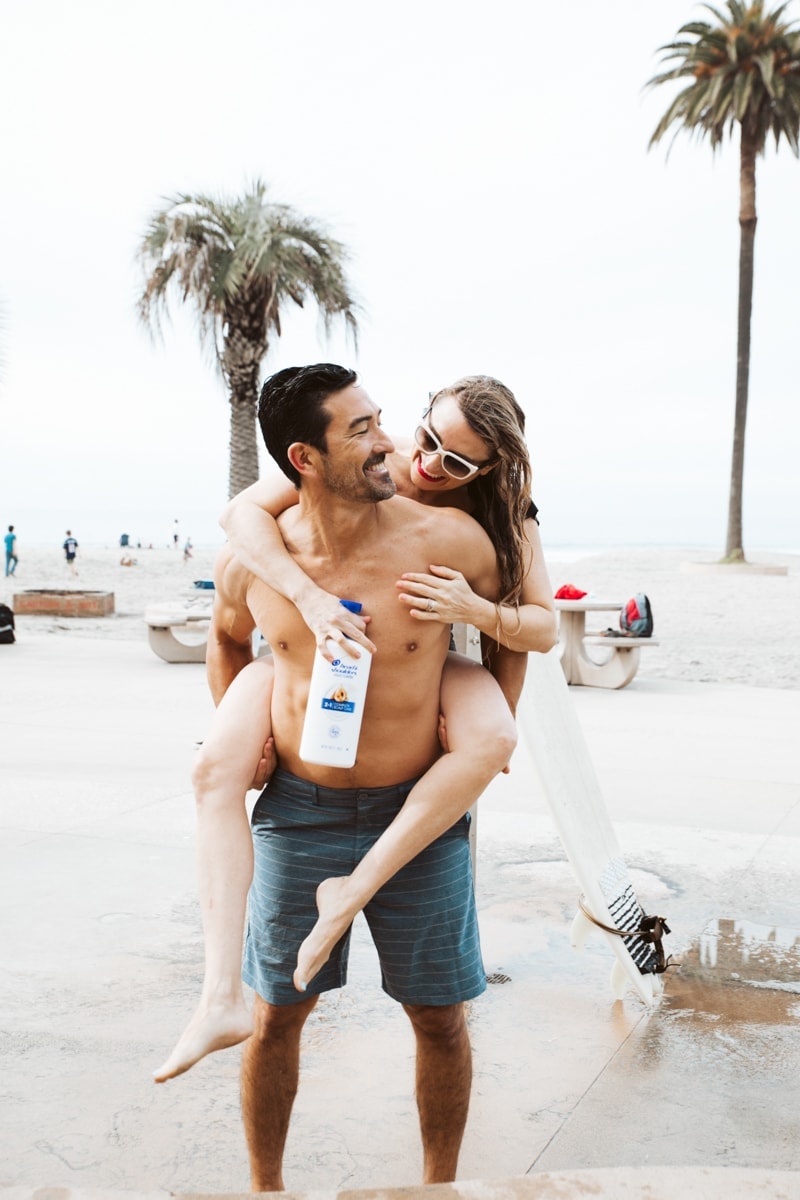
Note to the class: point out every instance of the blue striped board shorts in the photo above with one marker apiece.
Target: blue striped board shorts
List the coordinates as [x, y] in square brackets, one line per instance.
[423, 921]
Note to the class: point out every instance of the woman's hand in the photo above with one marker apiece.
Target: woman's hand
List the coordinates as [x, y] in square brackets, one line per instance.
[267, 763]
[328, 619]
[443, 595]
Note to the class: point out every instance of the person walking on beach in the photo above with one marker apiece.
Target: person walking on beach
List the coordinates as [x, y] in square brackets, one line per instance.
[354, 537]
[70, 548]
[11, 551]
[187, 549]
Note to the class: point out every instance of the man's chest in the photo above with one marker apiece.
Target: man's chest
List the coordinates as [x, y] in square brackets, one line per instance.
[371, 583]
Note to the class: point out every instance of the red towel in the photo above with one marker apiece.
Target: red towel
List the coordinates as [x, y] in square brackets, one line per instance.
[568, 591]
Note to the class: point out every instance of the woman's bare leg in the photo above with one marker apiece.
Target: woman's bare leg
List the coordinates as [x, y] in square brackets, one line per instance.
[224, 771]
[481, 737]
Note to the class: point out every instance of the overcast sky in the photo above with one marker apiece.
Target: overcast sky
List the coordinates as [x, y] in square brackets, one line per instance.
[486, 165]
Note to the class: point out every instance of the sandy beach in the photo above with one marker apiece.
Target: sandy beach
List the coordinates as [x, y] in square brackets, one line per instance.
[102, 957]
[736, 628]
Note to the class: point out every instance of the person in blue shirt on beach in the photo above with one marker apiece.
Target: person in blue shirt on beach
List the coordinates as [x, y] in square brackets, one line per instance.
[11, 551]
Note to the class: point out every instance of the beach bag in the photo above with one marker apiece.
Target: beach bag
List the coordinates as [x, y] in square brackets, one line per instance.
[6, 625]
[636, 617]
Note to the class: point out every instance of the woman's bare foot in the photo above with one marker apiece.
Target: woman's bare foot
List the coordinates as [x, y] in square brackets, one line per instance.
[213, 1027]
[336, 912]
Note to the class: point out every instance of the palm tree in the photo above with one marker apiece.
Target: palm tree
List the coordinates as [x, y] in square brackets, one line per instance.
[239, 261]
[744, 70]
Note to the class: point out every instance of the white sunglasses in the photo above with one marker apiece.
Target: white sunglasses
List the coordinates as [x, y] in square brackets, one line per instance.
[452, 464]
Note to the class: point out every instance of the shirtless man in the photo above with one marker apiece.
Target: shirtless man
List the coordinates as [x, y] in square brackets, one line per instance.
[354, 537]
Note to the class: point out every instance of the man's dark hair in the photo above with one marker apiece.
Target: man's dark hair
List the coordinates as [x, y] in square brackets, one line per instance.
[291, 409]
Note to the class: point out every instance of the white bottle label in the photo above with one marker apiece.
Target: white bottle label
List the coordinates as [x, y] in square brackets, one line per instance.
[335, 707]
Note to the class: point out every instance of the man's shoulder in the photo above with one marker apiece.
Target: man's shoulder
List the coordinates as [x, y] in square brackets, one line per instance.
[448, 528]
[449, 521]
[407, 509]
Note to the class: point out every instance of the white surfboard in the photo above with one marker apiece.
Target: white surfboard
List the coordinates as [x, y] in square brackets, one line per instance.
[548, 722]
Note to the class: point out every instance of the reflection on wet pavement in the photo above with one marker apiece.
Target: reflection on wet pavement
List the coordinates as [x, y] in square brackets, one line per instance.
[740, 971]
[712, 1077]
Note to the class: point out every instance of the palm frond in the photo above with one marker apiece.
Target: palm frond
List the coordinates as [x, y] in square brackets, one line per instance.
[745, 70]
[237, 262]
[766, 66]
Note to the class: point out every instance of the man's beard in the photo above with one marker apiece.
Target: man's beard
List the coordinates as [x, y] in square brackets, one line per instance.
[357, 484]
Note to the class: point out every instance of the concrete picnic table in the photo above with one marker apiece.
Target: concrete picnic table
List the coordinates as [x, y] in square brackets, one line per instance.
[179, 632]
[622, 662]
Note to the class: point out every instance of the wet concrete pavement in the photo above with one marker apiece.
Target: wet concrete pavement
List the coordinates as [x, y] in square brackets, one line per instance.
[101, 956]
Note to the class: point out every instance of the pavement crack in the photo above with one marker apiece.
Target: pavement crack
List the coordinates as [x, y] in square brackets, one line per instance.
[608, 1063]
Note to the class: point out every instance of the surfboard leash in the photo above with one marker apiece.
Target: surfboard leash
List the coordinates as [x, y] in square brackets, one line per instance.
[651, 930]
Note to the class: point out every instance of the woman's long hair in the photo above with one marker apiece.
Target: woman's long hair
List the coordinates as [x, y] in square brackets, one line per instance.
[501, 499]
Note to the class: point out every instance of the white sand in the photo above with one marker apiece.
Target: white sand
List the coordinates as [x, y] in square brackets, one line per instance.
[710, 627]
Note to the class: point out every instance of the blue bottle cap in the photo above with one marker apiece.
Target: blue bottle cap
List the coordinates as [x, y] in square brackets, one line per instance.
[353, 606]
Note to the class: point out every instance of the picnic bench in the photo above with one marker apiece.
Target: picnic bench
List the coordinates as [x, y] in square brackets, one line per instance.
[179, 632]
[617, 667]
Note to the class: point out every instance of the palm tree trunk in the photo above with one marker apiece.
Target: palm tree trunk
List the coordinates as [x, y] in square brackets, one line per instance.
[734, 543]
[243, 350]
[244, 441]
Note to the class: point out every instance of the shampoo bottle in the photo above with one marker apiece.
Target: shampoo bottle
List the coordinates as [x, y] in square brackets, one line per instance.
[335, 705]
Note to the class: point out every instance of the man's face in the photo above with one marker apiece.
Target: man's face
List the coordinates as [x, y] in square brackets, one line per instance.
[354, 465]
